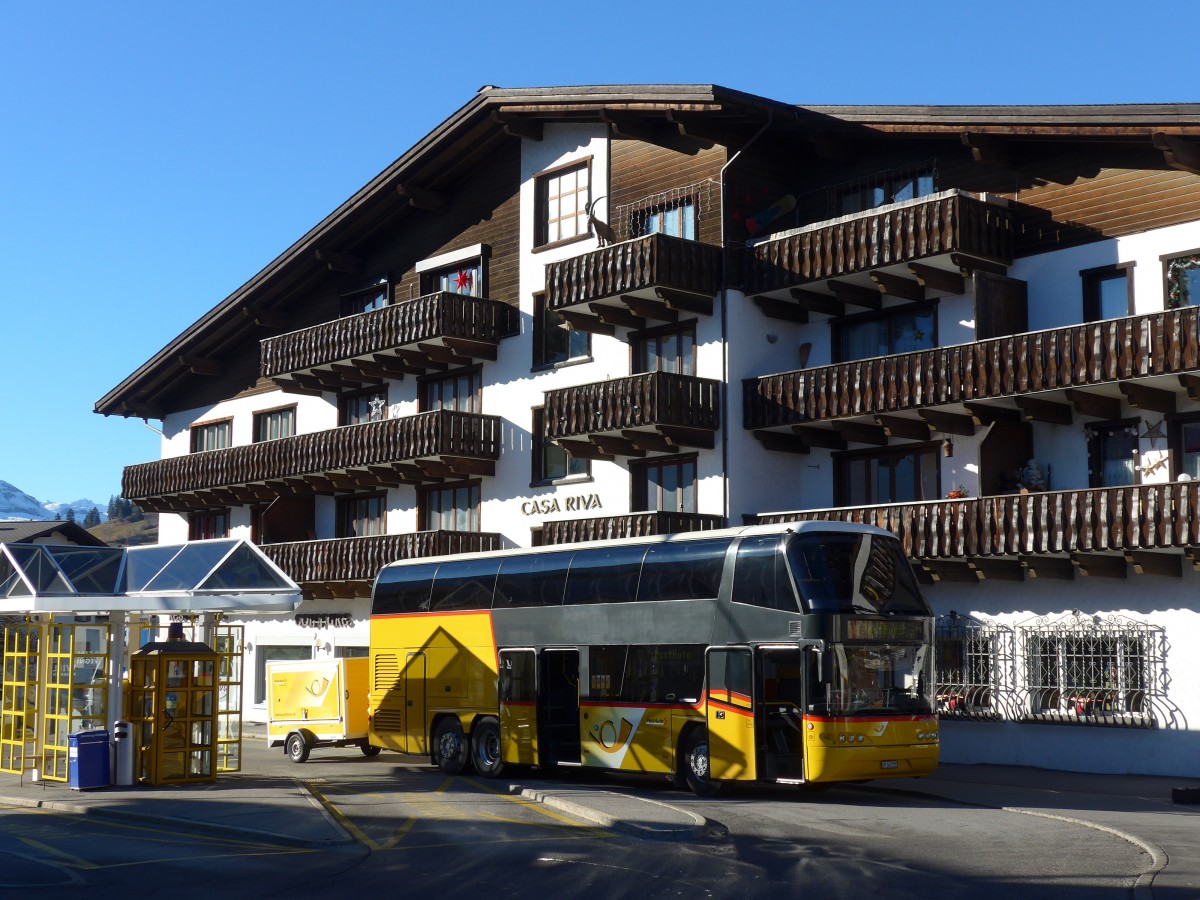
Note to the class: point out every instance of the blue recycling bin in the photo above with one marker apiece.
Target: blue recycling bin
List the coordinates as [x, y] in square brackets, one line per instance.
[87, 760]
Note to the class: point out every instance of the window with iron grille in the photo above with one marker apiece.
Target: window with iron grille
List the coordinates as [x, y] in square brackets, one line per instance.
[973, 659]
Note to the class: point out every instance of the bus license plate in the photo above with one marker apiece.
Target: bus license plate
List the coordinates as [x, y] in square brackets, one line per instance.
[889, 764]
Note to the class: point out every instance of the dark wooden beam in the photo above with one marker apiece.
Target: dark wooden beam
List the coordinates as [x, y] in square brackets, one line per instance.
[584, 450]
[986, 414]
[518, 126]
[951, 423]
[1152, 399]
[1037, 410]
[1193, 555]
[1048, 567]
[583, 322]
[337, 261]
[1146, 562]
[856, 295]
[651, 440]
[470, 465]
[820, 437]
[781, 442]
[639, 128]
[909, 429]
[411, 474]
[938, 279]
[201, 365]
[417, 360]
[693, 303]
[700, 126]
[436, 468]
[781, 309]
[353, 375]
[1191, 384]
[1178, 153]
[689, 437]
[443, 354]
[998, 569]
[300, 384]
[649, 309]
[987, 150]
[812, 301]
[616, 446]
[386, 475]
[862, 432]
[946, 570]
[971, 264]
[897, 286]
[617, 315]
[474, 349]
[1100, 565]
[1095, 406]
[421, 198]
[393, 366]
[265, 318]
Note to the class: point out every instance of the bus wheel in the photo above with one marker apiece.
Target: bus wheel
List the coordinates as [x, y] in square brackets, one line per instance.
[695, 764]
[485, 748]
[449, 746]
[368, 750]
[297, 748]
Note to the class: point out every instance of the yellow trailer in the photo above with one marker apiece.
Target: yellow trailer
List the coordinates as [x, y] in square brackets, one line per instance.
[317, 703]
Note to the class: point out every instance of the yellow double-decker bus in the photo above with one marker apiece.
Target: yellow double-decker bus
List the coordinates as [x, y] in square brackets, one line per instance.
[798, 653]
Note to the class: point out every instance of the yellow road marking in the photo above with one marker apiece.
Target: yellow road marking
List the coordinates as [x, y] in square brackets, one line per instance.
[536, 807]
[65, 858]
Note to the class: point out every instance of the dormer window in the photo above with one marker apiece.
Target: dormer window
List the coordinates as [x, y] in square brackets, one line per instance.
[462, 271]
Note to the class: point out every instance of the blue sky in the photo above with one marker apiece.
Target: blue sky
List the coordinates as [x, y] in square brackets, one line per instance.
[154, 156]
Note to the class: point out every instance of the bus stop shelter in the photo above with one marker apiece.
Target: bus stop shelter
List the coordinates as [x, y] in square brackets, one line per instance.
[84, 609]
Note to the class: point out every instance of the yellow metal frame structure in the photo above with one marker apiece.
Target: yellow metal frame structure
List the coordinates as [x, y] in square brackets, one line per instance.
[19, 706]
[75, 690]
[173, 713]
[228, 642]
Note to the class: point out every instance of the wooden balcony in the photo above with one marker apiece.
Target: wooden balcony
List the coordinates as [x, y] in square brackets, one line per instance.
[639, 524]
[901, 250]
[1103, 532]
[634, 283]
[1042, 375]
[416, 449]
[346, 567]
[412, 337]
[654, 411]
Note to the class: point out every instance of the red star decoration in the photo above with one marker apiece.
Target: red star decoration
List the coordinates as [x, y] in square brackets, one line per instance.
[462, 280]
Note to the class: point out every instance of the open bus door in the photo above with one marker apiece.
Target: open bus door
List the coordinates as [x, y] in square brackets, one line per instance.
[558, 708]
[518, 707]
[729, 709]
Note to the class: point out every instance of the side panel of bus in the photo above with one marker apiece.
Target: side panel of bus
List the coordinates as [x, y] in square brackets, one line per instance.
[730, 711]
[633, 738]
[518, 707]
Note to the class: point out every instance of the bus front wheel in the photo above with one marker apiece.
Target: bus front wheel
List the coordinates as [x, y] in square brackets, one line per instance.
[695, 764]
[449, 746]
[485, 748]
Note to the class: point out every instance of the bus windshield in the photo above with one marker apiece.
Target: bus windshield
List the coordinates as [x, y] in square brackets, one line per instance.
[854, 572]
[875, 679]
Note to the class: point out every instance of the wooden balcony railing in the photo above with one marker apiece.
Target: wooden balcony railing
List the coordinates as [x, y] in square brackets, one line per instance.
[668, 264]
[670, 403]
[361, 558]
[1160, 343]
[945, 224]
[373, 450]
[1117, 520]
[463, 323]
[639, 524]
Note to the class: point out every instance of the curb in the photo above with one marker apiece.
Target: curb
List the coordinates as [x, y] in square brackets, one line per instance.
[699, 826]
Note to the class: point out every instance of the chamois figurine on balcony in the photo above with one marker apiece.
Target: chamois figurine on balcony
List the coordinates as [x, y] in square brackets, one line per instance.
[603, 231]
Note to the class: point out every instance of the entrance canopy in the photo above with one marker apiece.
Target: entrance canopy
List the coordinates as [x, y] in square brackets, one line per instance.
[230, 575]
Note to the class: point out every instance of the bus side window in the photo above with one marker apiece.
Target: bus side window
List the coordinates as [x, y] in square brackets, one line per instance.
[404, 589]
[759, 578]
[465, 584]
[536, 580]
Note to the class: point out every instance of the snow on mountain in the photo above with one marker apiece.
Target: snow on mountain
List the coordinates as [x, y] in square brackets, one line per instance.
[16, 504]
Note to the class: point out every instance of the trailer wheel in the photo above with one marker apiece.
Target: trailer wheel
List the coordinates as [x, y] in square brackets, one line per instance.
[449, 746]
[297, 748]
[695, 764]
[368, 750]
[485, 748]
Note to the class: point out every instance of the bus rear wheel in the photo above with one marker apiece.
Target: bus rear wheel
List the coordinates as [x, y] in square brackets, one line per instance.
[485, 748]
[449, 746]
[695, 764]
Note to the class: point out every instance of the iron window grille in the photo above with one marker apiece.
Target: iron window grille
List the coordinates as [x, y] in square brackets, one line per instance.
[974, 668]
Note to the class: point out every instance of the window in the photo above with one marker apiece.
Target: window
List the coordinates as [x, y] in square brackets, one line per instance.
[1107, 293]
[1184, 442]
[668, 485]
[604, 575]
[554, 341]
[759, 577]
[362, 515]
[1112, 453]
[885, 188]
[267, 653]
[1183, 280]
[207, 525]
[363, 406]
[273, 424]
[677, 219]
[666, 350]
[211, 435]
[453, 508]
[465, 278]
[550, 461]
[459, 391]
[903, 475]
[351, 652]
[668, 673]
[562, 195]
[899, 330]
[968, 666]
[373, 297]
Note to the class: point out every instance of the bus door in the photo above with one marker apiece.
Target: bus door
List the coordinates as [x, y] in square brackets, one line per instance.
[518, 707]
[414, 699]
[558, 707]
[729, 708]
[781, 683]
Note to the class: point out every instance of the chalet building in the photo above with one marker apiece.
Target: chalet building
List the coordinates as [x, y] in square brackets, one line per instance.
[570, 314]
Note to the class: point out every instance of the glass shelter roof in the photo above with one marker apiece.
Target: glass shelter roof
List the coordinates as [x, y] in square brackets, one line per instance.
[199, 576]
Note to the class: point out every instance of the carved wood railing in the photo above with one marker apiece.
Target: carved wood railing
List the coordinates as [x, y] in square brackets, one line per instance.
[948, 224]
[639, 524]
[645, 262]
[1094, 520]
[361, 558]
[1160, 343]
[652, 398]
[431, 434]
[435, 315]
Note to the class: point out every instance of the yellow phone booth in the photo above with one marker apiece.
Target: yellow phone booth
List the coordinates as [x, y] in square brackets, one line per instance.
[172, 708]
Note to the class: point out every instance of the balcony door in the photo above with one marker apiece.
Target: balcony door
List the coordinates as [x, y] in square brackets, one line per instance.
[666, 485]
[901, 475]
[1113, 453]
